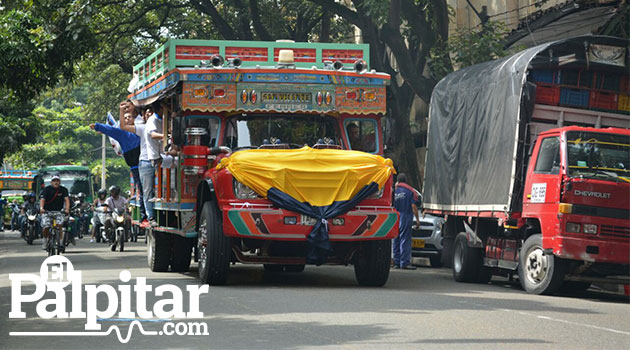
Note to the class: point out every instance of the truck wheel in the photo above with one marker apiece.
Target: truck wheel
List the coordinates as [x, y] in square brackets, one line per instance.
[214, 247]
[294, 268]
[436, 260]
[468, 262]
[159, 252]
[182, 249]
[273, 267]
[537, 272]
[372, 263]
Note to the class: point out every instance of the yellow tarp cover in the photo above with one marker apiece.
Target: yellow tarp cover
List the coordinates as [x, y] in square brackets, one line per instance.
[317, 176]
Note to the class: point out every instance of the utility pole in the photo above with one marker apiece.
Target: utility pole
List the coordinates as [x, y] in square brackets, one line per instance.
[103, 149]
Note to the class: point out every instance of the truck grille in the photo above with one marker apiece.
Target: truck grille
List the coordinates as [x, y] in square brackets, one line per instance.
[615, 231]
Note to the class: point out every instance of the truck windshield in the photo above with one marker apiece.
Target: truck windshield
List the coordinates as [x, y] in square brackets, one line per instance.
[294, 131]
[599, 155]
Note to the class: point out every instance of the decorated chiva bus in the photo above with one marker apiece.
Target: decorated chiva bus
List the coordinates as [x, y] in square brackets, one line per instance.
[277, 158]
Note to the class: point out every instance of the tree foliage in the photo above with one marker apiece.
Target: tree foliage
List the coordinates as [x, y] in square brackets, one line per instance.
[467, 47]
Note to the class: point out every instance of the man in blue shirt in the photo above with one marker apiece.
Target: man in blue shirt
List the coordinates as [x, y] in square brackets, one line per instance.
[406, 201]
[130, 147]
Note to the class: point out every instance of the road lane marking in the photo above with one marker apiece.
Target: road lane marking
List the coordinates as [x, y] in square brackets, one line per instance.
[567, 322]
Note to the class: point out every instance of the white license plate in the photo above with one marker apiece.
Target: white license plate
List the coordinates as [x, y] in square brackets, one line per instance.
[307, 220]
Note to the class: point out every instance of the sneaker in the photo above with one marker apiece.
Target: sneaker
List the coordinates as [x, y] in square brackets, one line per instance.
[113, 247]
[395, 267]
[153, 223]
[408, 267]
[92, 240]
[144, 223]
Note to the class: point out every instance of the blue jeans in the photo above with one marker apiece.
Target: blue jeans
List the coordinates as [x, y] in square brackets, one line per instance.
[147, 178]
[401, 245]
[136, 180]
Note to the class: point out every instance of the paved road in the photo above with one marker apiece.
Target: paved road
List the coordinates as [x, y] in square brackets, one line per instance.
[322, 307]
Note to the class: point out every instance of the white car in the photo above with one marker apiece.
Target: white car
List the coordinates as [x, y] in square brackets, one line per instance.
[427, 238]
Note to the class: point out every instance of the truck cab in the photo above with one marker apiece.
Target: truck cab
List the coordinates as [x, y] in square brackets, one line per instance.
[578, 187]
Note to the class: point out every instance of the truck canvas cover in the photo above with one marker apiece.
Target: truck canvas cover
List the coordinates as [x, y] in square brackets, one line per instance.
[477, 117]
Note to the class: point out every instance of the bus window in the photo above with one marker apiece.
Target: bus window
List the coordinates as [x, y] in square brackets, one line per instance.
[361, 134]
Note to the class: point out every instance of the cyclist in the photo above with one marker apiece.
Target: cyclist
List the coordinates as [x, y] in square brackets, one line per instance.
[54, 197]
[99, 202]
[116, 201]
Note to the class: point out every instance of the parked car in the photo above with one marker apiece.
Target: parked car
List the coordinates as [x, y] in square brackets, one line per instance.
[427, 239]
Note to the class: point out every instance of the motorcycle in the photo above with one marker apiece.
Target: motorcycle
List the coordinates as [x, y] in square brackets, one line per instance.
[100, 215]
[120, 229]
[32, 232]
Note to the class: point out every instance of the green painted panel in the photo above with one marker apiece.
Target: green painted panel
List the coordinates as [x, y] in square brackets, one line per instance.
[387, 225]
[237, 221]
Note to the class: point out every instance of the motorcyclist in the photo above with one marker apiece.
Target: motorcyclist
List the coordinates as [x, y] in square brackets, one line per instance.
[116, 201]
[15, 215]
[99, 202]
[80, 207]
[30, 205]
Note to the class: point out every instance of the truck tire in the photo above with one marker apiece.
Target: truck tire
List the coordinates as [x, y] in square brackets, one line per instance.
[537, 272]
[467, 263]
[294, 268]
[214, 247]
[182, 250]
[372, 263]
[159, 252]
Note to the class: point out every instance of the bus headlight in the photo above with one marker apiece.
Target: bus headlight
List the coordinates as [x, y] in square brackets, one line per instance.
[376, 195]
[243, 192]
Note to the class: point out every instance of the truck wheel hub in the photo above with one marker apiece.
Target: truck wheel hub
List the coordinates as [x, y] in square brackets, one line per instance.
[536, 266]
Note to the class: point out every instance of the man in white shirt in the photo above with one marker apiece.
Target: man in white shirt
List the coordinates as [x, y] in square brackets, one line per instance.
[147, 168]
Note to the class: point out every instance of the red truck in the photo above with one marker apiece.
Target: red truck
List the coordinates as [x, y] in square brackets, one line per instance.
[529, 160]
[264, 169]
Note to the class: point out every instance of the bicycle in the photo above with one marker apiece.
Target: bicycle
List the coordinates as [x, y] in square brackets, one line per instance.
[54, 243]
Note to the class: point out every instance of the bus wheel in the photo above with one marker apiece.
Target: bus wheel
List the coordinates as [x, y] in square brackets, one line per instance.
[182, 250]
[537, 272]
[372, 263]
[159, 252]
[214, 247]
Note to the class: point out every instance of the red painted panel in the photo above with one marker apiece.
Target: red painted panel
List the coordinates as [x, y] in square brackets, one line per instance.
[183, 52]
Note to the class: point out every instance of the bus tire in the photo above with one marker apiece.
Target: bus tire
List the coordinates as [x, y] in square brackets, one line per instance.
[372, 263]
[159, 252]
[182, 250]
[214, 247]
[537, 272]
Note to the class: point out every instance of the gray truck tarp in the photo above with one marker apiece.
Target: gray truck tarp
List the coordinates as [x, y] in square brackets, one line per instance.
[476, 120]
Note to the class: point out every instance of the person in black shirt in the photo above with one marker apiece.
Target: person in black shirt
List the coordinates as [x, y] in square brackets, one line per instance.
[53, 198]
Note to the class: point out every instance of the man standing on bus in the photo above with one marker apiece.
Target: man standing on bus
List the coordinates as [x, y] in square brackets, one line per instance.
[130, 147]
[406, 199]
[53, 197]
